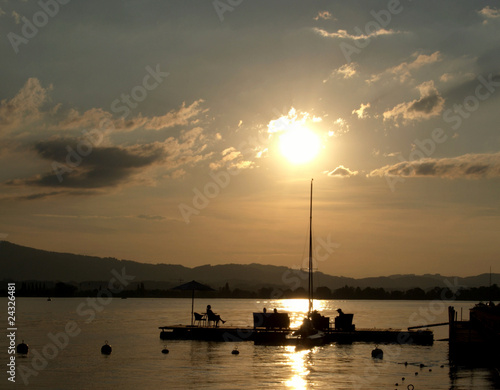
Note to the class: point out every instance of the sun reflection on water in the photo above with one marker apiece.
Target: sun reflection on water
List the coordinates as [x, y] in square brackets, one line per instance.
[300, 362]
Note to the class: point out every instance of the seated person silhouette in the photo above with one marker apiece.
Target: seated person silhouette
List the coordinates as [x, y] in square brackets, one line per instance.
[211, 316]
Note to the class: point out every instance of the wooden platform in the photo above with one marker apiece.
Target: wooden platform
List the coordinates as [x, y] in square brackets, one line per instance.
[282, 336]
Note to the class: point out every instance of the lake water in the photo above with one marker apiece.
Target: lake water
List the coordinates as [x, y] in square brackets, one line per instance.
[136, 362]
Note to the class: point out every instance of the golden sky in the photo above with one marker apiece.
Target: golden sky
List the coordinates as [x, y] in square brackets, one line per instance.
[188, 132]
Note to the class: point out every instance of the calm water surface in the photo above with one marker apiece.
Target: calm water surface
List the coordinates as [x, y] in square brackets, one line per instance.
[131, 327]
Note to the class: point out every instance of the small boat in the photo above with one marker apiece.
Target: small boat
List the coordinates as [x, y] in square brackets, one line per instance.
[310, 333]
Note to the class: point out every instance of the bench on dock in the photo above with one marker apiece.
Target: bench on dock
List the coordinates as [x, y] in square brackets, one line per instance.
[344, 322]
[271, 320]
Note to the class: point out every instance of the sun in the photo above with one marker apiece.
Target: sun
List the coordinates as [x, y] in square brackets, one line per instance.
[299, 145]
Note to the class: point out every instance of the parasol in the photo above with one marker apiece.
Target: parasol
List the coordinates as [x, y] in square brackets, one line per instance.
[193, 285]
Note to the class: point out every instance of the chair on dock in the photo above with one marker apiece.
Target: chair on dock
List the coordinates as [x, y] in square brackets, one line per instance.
[200, 319]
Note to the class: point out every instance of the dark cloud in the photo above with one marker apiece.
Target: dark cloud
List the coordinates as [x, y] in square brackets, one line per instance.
[430, 104]
[80, 165]
[425, 105]
[468, 166]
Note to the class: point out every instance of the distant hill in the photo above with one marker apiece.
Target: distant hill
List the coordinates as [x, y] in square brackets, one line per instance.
[21, 263]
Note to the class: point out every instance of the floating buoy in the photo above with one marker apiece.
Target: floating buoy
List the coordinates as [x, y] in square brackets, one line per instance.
[410, 387]
[235, 351]
[416, 373]
[377, 353]
[165, 350]
[406, 363]
[422, 365]
[403, 379]
[442, 365]
[430, 369]
[106, 349]
[22, 348]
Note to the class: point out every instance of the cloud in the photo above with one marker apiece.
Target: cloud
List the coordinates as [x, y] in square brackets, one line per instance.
[342, 172]
[95, 117]
[430, 104]
[16, 16]
[102, 167]
[403, 71]
[24, 108]
[30, 114]
[489, 13]
[232, 159]
[343, 34]
[361, 111]
[447, 77]
[151, 217]
[468, 166]
[346, 71]
[79, 165]
[325, 15]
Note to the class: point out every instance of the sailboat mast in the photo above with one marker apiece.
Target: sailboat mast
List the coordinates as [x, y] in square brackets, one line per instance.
[311, 286]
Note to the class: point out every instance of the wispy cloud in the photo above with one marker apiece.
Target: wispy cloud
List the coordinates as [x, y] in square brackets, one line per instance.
[403, 71]
[25, 108]
[489, 13]
[468, 166]
[342, 172]
[324, 15]
[346, 71]
[429, 104]
[151, 217]
[343, 34]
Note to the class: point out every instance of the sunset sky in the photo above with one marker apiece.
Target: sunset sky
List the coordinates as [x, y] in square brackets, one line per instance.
[187, 132]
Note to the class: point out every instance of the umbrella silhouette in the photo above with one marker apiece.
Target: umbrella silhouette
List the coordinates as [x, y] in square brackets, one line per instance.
[193, 285]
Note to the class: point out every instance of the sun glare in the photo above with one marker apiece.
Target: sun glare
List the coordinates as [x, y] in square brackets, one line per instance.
[299, 144]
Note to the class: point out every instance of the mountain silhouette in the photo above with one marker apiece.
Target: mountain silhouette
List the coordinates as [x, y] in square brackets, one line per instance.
[20, 263]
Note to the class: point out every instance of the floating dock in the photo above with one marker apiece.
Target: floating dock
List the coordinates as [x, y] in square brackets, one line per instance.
[282, 336]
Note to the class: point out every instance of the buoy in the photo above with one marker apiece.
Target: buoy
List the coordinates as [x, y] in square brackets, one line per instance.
[377, 353]
[406, 363]
[165, 350]
[430, 369]
[23, 348]
[416, 373]
[235, 351]
[403, 379]
[106, 349]
[422, 365]
[442, 365]
[410, 387]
